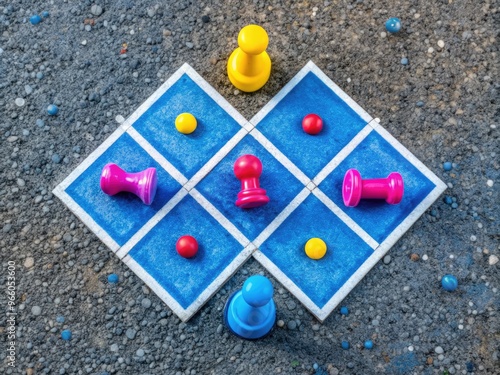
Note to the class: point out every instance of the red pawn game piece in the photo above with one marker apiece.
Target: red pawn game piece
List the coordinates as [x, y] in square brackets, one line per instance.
[248, 169]
[187, 246]
[354, 188]
[312, 124]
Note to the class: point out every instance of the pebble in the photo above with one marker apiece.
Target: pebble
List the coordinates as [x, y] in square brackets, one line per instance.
[205, 19]
[119, 119]
[489, 183]
[420, 103]
[96, 10]
[473, 238]
[146, 303]
[130, 333]
[36, 310]
[28, 89]
[114, 347]
[189, 45]
[39, 75]
[492, 260]
[404, 61]
[292, 324]
[52, 109]
[60, 319]
[291, 305]
[20, 102]
[280, 323]
[438, 350]
[29, 262]
[56, 158]
[40, 123]
[387, 259]
[66, 335]
[35, 19]
[430, 50]
[440, 44]
[140, 352]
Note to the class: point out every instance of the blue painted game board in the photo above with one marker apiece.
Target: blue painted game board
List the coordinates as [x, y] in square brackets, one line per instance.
[197, 191]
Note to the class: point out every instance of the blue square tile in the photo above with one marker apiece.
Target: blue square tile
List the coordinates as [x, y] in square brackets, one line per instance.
[188, 153]
[186, 279]
[283, 125]
[374, 157]
[318, 279]
[123, 214]
[221, 188]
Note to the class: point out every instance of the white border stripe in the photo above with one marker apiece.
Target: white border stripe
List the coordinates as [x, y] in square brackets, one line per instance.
[215, 159]
[91, 158]
[124, 250]
[278, 155]
[159, 158]
[290, 285]
[345, 218]
[342, 155]
[340, 93]
[186, 314]
[218, 98]
[86, 218]
[221, 219]
[278, 220]
[410, 157]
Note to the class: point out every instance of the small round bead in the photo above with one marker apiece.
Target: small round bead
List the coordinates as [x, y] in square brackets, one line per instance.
[312, 124]
[52, 110]
[345, 345]
[447, 166]
[404, 61]
[187, 246]
[185, 123]
[368, 344]
[344, 310]
[393, 25]
[35, 19]
[113, 278]
[45, 14]
[449, 283]
[315, 248]
[66, 335]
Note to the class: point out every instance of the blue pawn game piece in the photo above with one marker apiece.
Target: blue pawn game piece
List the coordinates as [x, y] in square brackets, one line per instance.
[449, 283]
[52, 110]
[250, 313]
[113, 278]
[368, 344]
[345, 345]
[66, 335]
[393, 25]
[35, 19]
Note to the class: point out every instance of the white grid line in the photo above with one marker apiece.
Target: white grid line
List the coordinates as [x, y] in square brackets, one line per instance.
[278, 220]
[124, 250]
[345, 218]
[159, 158]
[342, 155]
[278, 155]
[221, 219]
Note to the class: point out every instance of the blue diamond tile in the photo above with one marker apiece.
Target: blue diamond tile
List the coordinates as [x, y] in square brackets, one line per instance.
[318, 279]
[188, 153]
[283, 124]
[221, 188]
[186, 279]
[374, 157]
[123, 214]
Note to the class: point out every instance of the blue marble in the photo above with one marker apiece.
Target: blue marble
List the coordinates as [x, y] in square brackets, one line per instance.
[283, 125]
[374, 157]
[123, 214]
[344, 310]
[113, 278]
[318, 279]
[393, 25]
[66, 335]
[188, 153]
[345, 345]
[368, 344]
[185, 279]
[35, 19]
[221, 188]
[52, 110]
[449, 283]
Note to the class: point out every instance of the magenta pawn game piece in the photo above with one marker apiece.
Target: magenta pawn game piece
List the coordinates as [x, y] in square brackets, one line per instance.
[354, 188]
[248, 169]
[143, 184]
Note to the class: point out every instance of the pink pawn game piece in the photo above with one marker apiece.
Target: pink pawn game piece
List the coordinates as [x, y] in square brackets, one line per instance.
[248, 169]
[143, 184]
[354, 188]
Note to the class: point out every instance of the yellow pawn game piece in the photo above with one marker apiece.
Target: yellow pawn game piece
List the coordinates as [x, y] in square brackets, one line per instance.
[249, 66]
[185, 123]
[315, 248]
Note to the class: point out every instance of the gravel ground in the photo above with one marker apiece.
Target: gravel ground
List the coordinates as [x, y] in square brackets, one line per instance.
[442, 105]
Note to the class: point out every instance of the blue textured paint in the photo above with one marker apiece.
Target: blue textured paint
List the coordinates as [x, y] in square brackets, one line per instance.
[185, 279]
[283, 125]
[123, 214]
[402, 364]
[188, 153]
[376, 158]
[318, 279]
[221, 188]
